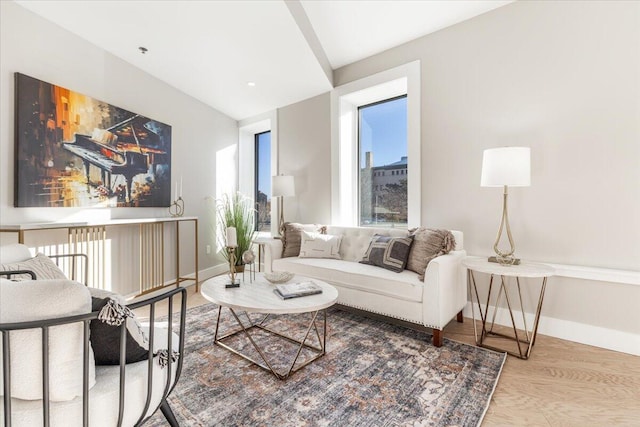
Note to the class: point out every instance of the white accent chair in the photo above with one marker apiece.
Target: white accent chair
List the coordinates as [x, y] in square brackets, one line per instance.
[117, 395]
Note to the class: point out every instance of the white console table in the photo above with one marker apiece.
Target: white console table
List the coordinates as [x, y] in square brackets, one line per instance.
[89, 238]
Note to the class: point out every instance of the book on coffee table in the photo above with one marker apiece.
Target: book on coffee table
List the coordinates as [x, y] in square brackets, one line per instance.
[295, 290]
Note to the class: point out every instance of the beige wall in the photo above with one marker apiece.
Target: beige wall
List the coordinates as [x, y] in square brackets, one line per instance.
[562, 78]
[36, 47]
[304, 134]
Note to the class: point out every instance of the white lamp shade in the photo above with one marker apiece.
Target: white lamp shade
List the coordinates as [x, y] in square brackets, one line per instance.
[506, 166]
[282, 185]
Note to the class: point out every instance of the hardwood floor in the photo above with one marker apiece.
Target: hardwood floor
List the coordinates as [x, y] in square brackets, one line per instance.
[562, 384]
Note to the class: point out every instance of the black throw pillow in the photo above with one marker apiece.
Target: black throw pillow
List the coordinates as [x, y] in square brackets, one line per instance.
[105, 333]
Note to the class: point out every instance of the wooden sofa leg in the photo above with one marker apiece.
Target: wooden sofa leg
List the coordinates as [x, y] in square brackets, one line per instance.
[437, 338]
[459, 317]
[168, 414]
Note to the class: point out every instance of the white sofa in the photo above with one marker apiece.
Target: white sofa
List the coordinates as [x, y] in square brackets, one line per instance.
[432, 303]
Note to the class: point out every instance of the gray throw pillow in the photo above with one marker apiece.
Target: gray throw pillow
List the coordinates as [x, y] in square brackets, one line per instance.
[388, 252]
[293, 237]
[428, 243]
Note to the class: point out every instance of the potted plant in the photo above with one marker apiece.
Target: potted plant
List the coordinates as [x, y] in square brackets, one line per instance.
[236, 211]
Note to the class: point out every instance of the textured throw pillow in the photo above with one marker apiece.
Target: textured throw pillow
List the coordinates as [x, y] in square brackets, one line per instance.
[316, 245]
[41, 265]
[34, 300]
[388, 252]
[105, 332]
[427, 244]
[293, 237]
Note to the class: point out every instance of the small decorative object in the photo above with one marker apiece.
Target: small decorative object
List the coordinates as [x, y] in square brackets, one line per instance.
[503, 167]
[248, 258]
[276, 277]
[177, 208]
[232, 243]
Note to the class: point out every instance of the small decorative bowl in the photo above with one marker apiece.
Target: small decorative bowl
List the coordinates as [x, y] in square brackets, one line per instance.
[278, 277]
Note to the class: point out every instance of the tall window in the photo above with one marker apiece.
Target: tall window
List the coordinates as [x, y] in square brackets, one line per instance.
[263, 181]
[382, 152]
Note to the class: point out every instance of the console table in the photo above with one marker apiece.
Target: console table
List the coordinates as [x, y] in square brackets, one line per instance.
[89, 238]
[525, 270]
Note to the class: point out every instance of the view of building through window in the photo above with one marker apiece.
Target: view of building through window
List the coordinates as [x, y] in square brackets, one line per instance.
[382, 139]
[263, 181]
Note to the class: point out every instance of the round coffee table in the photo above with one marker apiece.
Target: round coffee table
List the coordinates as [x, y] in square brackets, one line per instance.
[258, 296]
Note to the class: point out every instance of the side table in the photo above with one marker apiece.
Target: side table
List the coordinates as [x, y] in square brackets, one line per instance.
[525, 270]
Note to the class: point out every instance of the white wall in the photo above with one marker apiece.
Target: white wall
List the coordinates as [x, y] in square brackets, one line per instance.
[304, 138]
[564, 79]
[36, 47]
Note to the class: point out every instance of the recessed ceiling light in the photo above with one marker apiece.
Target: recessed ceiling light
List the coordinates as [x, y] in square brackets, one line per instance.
[252, 84]
[143, 50]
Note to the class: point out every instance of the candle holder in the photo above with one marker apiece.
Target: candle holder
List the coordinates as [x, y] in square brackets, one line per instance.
[232, 268]
[177, 208]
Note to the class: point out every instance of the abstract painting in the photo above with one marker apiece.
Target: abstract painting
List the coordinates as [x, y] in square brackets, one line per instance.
[76, 151]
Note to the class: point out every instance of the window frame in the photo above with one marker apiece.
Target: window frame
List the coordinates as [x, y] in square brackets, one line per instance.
[345, 99]
[256, 171]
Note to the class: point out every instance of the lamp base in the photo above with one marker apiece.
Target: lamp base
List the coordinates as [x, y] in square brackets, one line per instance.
[504, 261]
[234, 284]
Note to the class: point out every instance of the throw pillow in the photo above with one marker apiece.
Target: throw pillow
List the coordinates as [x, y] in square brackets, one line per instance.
[388, 252]
[105, 332]
[428, 243]
[34, 300]
[293, 237]
[316, 245]
[41, 265]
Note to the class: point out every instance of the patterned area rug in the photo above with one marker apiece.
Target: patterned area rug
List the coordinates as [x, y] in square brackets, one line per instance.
[374, 374]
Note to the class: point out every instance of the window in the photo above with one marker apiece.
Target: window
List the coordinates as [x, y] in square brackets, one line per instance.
[346, 100]
[382, 142]
[263, 181]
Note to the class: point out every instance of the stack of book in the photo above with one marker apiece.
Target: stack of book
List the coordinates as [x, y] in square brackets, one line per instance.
[295, 290]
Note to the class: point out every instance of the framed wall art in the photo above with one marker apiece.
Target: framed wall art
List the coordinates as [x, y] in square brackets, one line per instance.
[75, 151]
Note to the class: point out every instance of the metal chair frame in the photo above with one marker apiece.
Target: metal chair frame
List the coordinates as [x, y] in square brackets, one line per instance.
[85, 319]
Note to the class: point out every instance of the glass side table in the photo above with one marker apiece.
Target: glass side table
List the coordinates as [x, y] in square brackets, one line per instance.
[524, 341]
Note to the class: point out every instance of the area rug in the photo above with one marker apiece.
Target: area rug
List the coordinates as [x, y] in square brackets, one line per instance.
[374, 374]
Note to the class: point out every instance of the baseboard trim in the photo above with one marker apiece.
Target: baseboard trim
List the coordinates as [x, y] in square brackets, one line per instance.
[596, 336]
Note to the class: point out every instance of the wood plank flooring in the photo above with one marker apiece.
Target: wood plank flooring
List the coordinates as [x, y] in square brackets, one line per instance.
[562, 384]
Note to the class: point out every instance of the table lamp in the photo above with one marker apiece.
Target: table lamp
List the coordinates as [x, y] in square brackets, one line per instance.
[282, 186]
[504, 167]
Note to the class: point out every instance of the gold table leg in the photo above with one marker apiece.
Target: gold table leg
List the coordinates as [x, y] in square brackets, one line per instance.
[264, 364]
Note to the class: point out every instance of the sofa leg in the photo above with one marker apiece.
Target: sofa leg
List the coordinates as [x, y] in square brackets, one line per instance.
[437, 338]
[168, 414]
[459, 317]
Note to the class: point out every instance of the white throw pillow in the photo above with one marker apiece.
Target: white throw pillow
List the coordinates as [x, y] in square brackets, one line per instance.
[43, 267]
[38, 300]
[316, 245]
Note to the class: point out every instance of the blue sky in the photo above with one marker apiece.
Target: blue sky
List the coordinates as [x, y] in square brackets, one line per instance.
[386, 135]
[264, 166]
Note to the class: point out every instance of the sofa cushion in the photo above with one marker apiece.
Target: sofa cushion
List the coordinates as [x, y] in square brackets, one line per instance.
[404, 285]
[41, 265]
[38, 300]
[293, 237]
[316, 245]
[388, 252]
[428, 243]
[355, 240]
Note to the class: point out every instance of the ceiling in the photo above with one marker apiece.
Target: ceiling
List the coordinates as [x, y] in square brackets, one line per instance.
[211, 50]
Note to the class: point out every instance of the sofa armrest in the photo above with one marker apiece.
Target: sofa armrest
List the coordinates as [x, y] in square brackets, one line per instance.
[445, 290]
[272, 250]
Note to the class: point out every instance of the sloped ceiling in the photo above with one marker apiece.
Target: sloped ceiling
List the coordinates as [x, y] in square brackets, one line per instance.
[212, 50]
